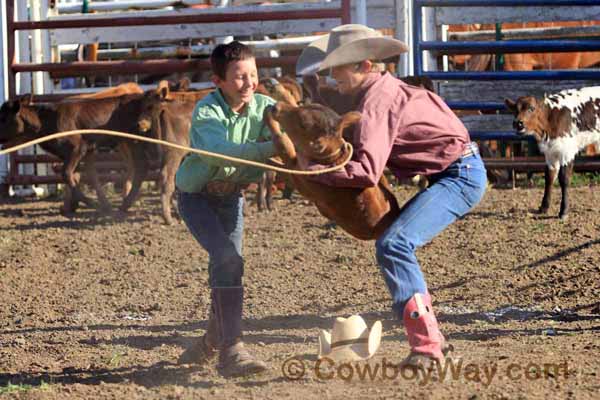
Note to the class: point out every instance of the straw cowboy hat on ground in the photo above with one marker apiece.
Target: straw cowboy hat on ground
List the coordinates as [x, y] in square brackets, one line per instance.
[350, 340]
[347, 44]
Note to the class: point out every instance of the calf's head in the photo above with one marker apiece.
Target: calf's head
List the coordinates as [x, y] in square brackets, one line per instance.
[150, 107]
[17, 118]
[533, 116]
[274, 89]
[315, 130]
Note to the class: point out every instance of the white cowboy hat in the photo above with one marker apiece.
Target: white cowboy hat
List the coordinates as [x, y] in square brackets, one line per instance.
[350, 340]
[347, 44]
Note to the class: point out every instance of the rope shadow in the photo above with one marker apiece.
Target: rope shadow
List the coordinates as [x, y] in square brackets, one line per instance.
[80, 223]
[148, 376]
[557, 256]
[148, 342]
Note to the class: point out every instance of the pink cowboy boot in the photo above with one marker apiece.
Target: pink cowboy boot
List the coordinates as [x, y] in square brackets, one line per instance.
[427, 343]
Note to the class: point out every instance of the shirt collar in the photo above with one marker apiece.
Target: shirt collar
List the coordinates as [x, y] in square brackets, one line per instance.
[250, 108]
[369, 80]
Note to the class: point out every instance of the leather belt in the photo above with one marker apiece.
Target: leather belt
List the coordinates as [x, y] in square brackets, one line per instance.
[471, 149]
[222, 188]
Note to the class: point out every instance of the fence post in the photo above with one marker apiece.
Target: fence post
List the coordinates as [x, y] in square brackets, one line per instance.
[41, 80]
[361, 11]
[224, 39]
[24, 85]
[3, 93]
[429, 33]
[403, 31]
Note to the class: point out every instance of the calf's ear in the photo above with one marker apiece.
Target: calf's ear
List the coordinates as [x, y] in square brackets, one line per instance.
[184, 84]
[13, 105]
[511, 105]
[163, 90]
[348, 120]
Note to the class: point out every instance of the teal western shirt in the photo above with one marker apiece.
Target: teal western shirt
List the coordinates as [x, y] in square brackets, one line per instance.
[216, 128]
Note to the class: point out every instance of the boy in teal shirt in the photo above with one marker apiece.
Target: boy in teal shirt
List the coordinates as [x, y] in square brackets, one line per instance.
[227, 121]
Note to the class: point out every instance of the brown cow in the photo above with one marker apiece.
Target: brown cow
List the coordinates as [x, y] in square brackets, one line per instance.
[527, 61]
[288, 90]
[315, 134]
[125, 147]
[22, 121]
[167, 116]
[70, 200]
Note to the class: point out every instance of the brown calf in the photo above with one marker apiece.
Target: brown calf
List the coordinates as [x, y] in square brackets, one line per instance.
[287, 90]
[124, 147]
[562, 124]
[167, 116]
[21, 121]
[315, 134]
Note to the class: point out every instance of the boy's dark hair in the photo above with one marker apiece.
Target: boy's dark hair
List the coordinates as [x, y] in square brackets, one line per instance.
[224, 54]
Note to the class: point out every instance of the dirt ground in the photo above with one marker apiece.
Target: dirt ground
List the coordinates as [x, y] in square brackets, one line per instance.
[94, 308]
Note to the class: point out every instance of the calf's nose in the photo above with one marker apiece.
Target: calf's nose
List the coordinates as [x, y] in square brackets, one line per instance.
[518, 124]
[144, 125]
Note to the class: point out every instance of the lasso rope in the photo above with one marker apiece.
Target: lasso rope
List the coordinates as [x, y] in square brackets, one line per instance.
[179, 147]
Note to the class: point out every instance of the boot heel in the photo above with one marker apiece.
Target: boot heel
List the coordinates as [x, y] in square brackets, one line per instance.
[234, 359]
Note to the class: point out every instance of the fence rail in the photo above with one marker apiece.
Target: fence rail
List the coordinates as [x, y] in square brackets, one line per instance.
[341, 12]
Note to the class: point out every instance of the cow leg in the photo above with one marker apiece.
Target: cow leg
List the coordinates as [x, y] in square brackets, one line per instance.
[564, 178]
[130, 167]
[261, 192]
[288, 189]
[165, 195]
[69, 203]
[73, 160]
[92, 174]
[141, 166]
[549, 178]
[167, 184]
[269, 182]
[72, 198]
[72, 178]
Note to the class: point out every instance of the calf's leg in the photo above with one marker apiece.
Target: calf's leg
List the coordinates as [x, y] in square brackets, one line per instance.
[72, 180]
[130, 167]
[261, 192]
[171, 162]
[564, 178]
[91, 172]
[549, 178]
[141, 168]
[270, 182]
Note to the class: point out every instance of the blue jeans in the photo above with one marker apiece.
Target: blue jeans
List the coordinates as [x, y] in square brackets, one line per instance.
[217, 223]
[451, 194]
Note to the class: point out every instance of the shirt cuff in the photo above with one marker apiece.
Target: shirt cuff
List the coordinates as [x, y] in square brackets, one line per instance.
[266, 150]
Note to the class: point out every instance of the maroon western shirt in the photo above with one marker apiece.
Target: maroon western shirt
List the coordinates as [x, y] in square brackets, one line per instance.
[408, 129]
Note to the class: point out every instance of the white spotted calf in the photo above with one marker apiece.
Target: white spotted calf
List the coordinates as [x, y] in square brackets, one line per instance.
[563, 124]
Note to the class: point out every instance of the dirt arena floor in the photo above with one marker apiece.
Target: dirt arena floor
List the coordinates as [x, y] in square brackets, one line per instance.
[94, 308]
